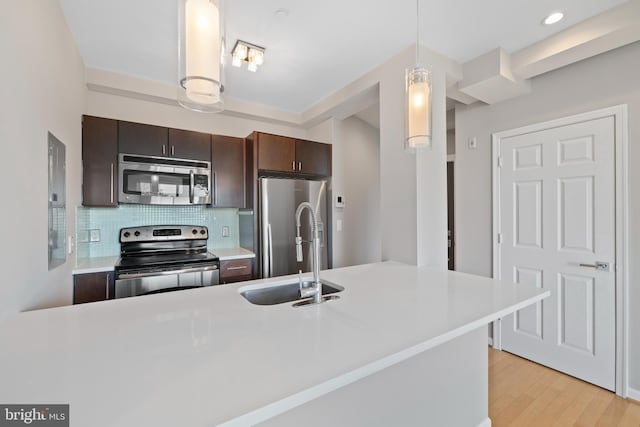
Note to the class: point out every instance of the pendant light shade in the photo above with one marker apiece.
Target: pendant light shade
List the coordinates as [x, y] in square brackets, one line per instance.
[199, 55]
[418, 100]
[418, 108]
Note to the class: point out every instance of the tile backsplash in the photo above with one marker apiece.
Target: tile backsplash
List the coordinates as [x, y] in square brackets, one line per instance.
[98, 228]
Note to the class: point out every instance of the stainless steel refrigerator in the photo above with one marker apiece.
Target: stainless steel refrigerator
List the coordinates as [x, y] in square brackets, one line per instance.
[278, 200]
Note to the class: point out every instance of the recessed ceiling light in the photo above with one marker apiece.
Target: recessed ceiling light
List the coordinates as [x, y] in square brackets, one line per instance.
[282, 12]
[553, 18]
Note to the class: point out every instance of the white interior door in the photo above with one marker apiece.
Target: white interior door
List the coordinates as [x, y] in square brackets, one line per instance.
[557, 231]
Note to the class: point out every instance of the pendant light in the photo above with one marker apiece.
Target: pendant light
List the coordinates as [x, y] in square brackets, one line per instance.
[199, 55]
[418, 100]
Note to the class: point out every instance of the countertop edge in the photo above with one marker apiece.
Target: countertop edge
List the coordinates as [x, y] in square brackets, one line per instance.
[234, 257]
[230, 254]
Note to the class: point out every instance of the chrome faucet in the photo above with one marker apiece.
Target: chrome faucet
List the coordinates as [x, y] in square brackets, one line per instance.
[316, 290]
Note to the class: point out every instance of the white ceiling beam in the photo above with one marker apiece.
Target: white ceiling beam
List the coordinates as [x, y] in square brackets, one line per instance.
[454, 93]
[165, 93]
[612, 29]
[488, 78]
[334, 104]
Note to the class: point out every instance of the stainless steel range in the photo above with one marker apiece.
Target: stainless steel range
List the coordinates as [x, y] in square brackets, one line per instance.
[157, 259]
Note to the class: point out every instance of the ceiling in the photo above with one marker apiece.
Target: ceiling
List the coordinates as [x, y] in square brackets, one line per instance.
[317, 47]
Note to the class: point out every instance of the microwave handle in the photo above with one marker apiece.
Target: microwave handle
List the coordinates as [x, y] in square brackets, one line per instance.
[191, 186]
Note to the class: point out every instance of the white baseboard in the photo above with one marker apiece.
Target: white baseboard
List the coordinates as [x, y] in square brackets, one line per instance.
[485, 423]
[490, 341]
[633, 394]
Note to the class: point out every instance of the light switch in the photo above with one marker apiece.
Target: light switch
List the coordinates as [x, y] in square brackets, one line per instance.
[339, 225]
[473, 143]
[225, 231]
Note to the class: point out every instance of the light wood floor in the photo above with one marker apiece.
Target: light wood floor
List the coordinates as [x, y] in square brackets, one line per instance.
[522, 393]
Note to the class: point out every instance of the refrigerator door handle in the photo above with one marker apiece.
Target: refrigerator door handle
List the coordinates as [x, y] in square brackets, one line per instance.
[270, 250]
[264, 231]
[321, 233]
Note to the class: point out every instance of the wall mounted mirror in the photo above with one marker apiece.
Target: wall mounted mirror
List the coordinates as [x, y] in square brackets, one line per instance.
[56, 203]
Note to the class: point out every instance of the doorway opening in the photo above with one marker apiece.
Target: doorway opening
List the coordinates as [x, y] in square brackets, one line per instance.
[451, 157]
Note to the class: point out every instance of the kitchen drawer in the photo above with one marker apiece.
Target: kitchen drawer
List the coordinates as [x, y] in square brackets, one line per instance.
[236, 270]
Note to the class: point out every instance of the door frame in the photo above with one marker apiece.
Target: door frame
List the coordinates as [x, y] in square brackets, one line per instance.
[451, 158]
[621, 147]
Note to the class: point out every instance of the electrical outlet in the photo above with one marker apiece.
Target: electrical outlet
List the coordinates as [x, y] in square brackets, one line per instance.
[94, 235]
[83, 236]
[225, 231]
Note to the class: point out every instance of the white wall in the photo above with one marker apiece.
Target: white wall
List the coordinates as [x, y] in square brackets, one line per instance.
[413, 214]
[451, 141]
[605, 80]
[42, 90]
[356, 177]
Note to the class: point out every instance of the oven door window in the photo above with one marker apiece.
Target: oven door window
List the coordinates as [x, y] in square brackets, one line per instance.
[156, 184]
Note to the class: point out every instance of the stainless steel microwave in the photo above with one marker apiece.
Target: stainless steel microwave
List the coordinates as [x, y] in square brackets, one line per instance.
[163, 181]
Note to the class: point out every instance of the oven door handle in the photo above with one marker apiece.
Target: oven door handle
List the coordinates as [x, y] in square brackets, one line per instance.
[191, 186]
[166, 273]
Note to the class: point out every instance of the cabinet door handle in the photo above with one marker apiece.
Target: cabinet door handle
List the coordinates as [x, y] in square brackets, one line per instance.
[293, 165]
[111, 182]
[173, 150]
[215, 189]
[107, 285]
[164, 150]
[191, 186]
[300, 166]
[237, 268]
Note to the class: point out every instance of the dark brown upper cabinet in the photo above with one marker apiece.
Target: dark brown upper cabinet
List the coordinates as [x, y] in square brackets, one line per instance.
[293, 156]
[276, 153]
[228, 174]
[186, 144]
[313, 158]
[149, 140]
[99, 162]
[146, 140]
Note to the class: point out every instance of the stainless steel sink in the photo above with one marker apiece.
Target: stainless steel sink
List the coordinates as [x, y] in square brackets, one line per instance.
[287, 292]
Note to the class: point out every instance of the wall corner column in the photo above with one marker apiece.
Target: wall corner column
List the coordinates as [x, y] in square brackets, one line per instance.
[431, 185]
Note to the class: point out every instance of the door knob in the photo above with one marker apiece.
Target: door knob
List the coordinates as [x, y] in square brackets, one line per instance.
[599, 265]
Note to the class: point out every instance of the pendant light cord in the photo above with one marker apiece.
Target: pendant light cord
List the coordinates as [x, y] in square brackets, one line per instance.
[417, 33]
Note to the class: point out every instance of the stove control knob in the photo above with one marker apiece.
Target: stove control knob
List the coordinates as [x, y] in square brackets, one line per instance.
[126, 234]
[137, 233]
[203, 232]
[195, 231]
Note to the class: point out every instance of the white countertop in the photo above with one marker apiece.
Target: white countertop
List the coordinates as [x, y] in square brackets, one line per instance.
[94, 265]
[228, 254]
[100, 264]
[207, 356]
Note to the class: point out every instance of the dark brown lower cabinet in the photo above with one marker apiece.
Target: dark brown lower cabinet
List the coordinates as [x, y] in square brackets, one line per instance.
[92, 287]
[236, 270]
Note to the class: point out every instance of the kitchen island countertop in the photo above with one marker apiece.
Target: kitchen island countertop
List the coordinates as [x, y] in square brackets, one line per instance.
[207, 356]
